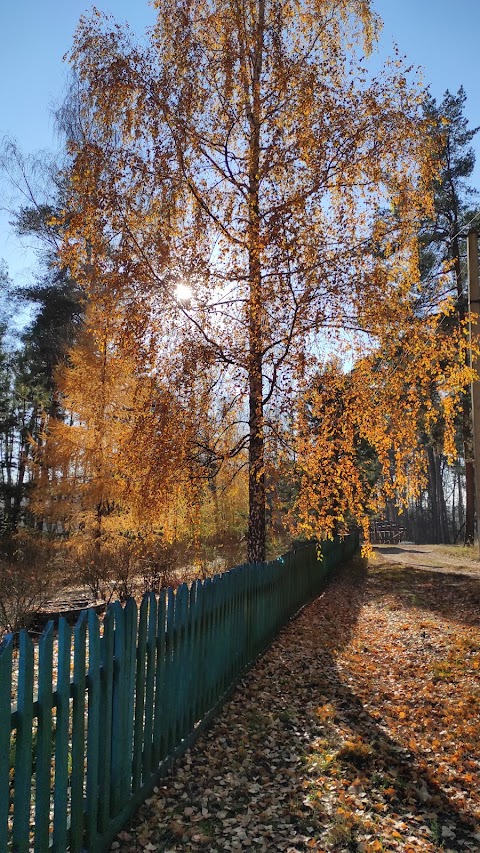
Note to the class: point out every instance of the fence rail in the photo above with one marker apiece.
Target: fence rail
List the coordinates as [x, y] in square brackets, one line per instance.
[131, 694]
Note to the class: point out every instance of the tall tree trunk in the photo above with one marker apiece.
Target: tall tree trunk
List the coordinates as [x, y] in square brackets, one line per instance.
[434, 533]
[469, 473]
[256, 472]
[442, 504]
[467, 406]
[454, 509]
[461, 518]
[256, 457]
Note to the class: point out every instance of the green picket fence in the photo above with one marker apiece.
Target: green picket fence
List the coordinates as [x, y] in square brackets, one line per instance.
[131, 694]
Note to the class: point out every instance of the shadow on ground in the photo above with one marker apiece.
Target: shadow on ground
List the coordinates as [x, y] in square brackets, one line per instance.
[454, 595]
[297, 762]
[385, 777]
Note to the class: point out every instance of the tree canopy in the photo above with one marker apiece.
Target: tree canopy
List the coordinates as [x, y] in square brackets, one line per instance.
[246, 153]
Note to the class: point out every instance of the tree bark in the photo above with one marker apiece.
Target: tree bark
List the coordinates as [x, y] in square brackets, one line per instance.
[434, 534]
[442, 504]
[466, 409]
[461, 518]
[256, 473]
[256, 456]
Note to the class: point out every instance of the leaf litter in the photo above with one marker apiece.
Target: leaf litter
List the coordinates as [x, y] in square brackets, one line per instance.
[358, 730]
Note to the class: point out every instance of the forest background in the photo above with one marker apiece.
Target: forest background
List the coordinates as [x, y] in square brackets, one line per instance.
[250, 321]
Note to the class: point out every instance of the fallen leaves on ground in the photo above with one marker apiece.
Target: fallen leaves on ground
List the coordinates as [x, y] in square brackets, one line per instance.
[359, 730]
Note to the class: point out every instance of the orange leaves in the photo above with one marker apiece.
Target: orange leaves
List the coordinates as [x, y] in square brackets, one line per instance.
[417, 788]
[374, 847]
[360, 433]
[259, 183]
[390, 792]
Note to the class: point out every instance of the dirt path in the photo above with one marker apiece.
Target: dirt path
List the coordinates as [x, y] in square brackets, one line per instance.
[440, 558]
[359, 730]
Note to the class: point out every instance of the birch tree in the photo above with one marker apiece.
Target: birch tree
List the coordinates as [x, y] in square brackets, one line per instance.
[245, 152]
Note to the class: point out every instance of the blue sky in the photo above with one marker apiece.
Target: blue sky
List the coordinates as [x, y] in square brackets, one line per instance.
[438, 35]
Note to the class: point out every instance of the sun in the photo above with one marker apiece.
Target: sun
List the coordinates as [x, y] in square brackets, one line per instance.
[183, 292]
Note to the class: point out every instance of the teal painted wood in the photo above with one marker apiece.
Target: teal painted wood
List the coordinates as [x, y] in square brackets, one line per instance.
[207, 643]
[230, 622]
[191, 635]
[140, 695]
[181, 616]
[62, 732]
[158, 714]
[93, 728]
[131, 621]
[175, 675]
[226, 630]
[250, 599]
[212, 649]
[148, 697]
[206, 613]
[23, 747]
[225, 625]
[218, 641]
[198, 650]
[44, 740]
[244, 616]
[222, 636]
[239, 620]
[238, 586]
[219, 638]
[118, 712]
[259, 610]
[190, 664]
[78, 734]
[167, 734]
[6, 655]
[149, 686]
[106, 708]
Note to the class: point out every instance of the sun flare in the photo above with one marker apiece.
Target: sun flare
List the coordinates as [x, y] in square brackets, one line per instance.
[183, 292]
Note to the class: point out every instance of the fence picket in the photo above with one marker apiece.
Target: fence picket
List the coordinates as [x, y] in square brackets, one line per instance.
[222, 635]
[131, 614]
[6, 650]
[44, 740]
[181, 615]
[62, 725]
[118, 713]
[78, 734]
[23, 746]
[198, 641]
[106, 708]
[190, 664]
[150, 685]
[215, 661]
[205, 645]
[93, 727]
[158, 718]
[167, 736]
[140, 695]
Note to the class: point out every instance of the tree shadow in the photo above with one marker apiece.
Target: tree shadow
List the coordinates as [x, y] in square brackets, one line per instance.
[293, 725]
[388, 773]
[453, 595]
[394, 549]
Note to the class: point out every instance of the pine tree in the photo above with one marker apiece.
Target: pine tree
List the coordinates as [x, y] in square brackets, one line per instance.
[442, 238]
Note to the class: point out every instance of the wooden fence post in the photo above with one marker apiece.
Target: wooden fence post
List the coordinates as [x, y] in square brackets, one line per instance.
[6, 654]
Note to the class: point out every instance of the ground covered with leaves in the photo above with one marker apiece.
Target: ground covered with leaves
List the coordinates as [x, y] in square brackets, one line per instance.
[359, 729]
